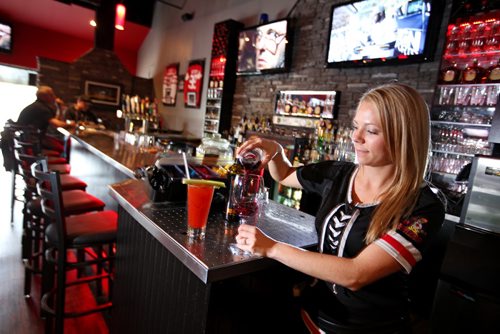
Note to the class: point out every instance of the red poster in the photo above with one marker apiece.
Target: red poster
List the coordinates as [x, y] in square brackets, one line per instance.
[170, 79]
[193, 83]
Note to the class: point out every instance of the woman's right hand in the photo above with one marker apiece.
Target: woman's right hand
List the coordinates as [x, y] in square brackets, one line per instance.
[269, 147]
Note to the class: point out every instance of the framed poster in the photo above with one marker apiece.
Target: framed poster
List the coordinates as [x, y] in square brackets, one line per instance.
[170, 79]
[193, 83]
[102, 93]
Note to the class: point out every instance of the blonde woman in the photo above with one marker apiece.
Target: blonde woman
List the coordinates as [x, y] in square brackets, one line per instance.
[376, 216]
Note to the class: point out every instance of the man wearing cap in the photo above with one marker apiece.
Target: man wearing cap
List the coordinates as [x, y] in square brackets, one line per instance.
[80, 111]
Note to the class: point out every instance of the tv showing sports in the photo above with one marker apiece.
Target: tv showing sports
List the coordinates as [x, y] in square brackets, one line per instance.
[5, 37]
[372, 32]
[264, 48]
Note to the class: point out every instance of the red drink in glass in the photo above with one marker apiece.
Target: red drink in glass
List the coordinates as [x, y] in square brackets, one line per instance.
[198, 207]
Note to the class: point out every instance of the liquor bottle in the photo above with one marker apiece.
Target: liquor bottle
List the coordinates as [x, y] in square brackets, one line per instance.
[306, 156]
[314, 155]
[450, 74]
[472, 73]
[493, 73]
[233, 170]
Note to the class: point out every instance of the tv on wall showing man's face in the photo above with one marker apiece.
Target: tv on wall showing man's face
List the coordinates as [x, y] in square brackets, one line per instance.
[377, 31]
[263, 48]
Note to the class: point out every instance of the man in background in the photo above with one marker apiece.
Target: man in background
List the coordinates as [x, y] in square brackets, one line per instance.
[81, 111]
[41, 114]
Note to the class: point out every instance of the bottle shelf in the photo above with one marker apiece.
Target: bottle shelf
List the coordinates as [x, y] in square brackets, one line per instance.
[469, 85]
[471, 55]
[467, 95]
[444, 107]
[460, 124]
[445, 174]
[453, 153]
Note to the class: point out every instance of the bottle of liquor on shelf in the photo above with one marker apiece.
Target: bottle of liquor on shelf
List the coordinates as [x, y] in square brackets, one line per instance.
[243, 129]
[472, 73]
[306, 156]
[493, 73]
[269, 125]
[450, 74]
[314, 155]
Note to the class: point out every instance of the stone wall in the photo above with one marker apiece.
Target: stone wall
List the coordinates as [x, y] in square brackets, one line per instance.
[100, 65]
[255, 95]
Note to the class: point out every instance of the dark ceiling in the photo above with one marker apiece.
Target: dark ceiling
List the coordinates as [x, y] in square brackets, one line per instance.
[71, 17]
[138, 11]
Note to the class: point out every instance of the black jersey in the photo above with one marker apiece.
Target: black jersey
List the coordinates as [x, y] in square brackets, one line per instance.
[342, 228]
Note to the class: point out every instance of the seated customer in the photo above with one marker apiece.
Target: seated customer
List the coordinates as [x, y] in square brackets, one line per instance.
[81, 111]
[41, 114]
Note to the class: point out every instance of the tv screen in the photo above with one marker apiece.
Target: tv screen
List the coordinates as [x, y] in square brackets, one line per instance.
[264, 48]
[5, 37]
[374, 32]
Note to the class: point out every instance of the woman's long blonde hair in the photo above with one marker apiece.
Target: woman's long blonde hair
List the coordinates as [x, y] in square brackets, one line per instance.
[404, 117]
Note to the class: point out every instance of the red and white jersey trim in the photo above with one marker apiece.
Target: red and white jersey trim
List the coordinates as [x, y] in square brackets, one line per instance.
[310, 324]
[400, 249]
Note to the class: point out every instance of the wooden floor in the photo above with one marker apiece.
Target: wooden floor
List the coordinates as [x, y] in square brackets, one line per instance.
[20, 315]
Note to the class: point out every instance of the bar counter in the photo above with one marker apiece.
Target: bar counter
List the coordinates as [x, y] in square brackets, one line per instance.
[210, 259]
[103, 144]
[167, 283]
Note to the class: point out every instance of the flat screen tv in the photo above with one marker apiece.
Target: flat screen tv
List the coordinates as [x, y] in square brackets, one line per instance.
[5, 37]
[374, 32]
[264, 48]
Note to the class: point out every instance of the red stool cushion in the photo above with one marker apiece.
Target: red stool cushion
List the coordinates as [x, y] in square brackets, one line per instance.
[69, 182]
[78, 201]
[61, 168]
[51, 153]
[95, 227]
[56, 160]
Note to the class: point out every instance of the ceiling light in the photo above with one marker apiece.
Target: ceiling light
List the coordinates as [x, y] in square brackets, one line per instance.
[120, 16]
[93, 23]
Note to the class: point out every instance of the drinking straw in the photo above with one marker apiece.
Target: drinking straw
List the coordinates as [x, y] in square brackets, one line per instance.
[186, 165]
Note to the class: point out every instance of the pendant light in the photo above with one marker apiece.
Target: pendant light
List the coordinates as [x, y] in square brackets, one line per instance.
[120, 16]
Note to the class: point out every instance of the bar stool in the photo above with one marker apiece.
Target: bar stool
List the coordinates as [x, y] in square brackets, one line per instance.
[24, 162]
[10, 161]
[29, 135]
[33, 135]
[31, 148]
[74, 196]
[96, 230]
